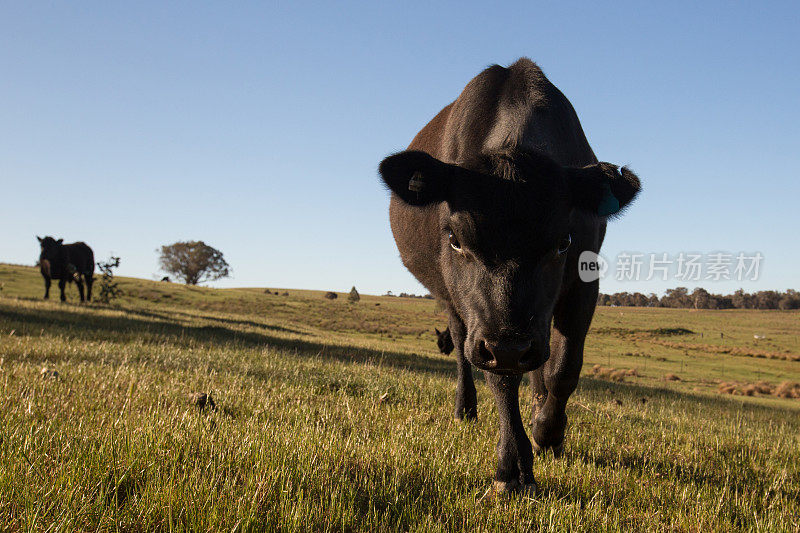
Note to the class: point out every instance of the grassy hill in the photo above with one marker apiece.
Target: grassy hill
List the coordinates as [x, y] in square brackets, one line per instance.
[337, 416]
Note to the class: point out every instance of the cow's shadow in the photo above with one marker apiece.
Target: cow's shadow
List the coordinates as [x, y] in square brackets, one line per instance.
[157, 327]
[170, 315]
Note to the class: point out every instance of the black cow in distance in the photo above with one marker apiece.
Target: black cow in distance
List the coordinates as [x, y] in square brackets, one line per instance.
[66, 263]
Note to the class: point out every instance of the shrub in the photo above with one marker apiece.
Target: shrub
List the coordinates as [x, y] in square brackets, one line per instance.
[618, 375]
[109, 288]
[749, 390]
[762, 387]
[330, 295]
[353, 297]
[788, 390]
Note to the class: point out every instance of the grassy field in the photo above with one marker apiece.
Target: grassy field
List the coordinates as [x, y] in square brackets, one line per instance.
[337, 416]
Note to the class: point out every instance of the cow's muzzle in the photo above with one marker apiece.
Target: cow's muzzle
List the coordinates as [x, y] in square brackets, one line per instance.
[507, 357]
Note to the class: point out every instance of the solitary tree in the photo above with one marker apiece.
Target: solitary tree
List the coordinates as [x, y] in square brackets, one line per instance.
[353, 297]
[701, 298]
[193, 262]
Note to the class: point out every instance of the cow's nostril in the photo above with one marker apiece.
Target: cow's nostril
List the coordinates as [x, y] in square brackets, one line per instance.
[484, 354]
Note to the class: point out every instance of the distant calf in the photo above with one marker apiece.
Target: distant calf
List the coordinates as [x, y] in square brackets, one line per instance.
[66, 263]
[444, 341]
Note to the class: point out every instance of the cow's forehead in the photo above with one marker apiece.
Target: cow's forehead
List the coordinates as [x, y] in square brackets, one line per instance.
[513, 178]
[511, 203]
[504, 202]
[533, 218]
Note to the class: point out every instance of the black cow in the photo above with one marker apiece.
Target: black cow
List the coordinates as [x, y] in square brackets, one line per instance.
[66, 263]
[444, 341]
[491, 206]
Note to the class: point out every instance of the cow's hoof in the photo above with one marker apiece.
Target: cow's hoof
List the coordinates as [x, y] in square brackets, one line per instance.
[558, 449]
[466, 416]
[513, 488]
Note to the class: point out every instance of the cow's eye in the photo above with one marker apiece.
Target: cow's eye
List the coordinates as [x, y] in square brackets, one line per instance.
[454, 244]
[563, 246]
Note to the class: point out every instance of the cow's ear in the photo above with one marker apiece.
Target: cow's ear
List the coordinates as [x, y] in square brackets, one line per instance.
[40, 239]
[60, 241]
[417, 178]
[603, 189]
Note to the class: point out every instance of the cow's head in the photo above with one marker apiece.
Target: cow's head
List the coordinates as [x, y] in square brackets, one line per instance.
[49, 248]
[444, 341]
[504, 231]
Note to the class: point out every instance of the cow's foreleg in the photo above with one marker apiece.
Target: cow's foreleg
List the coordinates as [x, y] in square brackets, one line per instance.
[466, 397]
[79, 283]
[62, 283]
[514, 450]
[46, 288]
[89, 282]
[557, 379]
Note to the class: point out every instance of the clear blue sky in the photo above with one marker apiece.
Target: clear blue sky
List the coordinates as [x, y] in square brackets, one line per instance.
[259, 127]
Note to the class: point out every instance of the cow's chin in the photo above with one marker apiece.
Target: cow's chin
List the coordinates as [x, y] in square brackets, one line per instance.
[507, 372]
[511, 372]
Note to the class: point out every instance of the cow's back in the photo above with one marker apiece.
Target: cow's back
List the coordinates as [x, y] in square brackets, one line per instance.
[513, 107]
[80, 255]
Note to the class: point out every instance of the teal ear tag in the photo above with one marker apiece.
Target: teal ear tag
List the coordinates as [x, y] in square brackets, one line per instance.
[608, 203]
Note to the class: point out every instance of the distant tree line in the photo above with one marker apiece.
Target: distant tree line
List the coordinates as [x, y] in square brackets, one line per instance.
[681, 298]
[410, 295]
